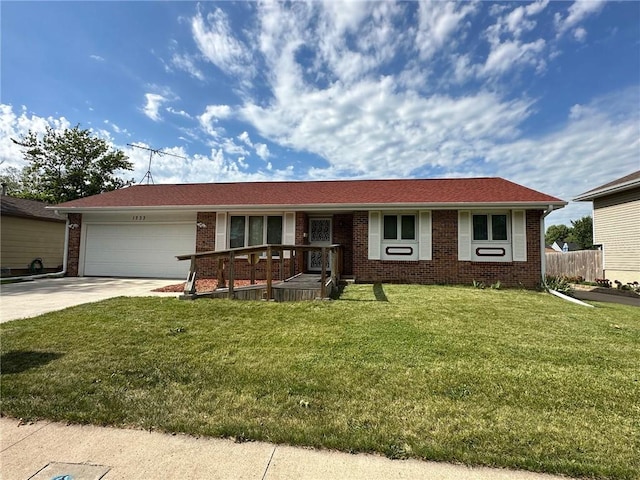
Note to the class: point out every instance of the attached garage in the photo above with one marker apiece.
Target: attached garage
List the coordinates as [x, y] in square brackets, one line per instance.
[144, 246]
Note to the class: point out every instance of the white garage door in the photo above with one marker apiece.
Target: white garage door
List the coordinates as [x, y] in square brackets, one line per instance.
[138, 250]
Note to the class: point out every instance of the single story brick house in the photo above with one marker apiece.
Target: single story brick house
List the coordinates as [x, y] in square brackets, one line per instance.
[412, 231]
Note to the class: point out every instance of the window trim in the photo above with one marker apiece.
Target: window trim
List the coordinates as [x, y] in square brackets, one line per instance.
[265, 227]
[398, 238]
[489, 215]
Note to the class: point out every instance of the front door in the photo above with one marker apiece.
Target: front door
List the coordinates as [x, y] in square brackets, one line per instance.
[319, 235]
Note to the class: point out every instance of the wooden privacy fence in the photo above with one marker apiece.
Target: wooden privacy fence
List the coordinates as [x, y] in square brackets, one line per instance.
[583, 263]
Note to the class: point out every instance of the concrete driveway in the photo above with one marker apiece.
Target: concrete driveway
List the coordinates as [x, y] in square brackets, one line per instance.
[28, 299]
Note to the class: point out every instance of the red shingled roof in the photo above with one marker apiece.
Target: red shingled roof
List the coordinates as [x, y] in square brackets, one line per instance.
[318, 193]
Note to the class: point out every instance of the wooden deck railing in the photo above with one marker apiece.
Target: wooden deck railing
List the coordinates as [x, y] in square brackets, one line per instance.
[254, 254]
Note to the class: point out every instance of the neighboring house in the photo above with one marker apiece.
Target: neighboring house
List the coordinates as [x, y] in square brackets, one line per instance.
[28, 232]
[616, 226]
[412, 231]
[564, 247]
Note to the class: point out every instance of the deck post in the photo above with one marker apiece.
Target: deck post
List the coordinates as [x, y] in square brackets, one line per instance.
[293, 258]
[221, 283]
[232, 261]
[269, 273]
[282, 264]
[190, 285]
[323, 275]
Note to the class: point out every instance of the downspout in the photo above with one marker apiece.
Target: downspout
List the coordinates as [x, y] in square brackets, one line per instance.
[543, 257]
[52, 274]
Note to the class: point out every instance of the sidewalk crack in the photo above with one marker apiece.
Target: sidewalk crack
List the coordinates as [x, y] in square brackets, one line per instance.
[269, 463]
[24, 438]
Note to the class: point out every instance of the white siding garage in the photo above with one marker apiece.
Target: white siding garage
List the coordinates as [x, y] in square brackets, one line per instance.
[137, 249]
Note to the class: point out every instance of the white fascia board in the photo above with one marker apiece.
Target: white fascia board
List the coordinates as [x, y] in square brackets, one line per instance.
[593, 194]
[326, 207]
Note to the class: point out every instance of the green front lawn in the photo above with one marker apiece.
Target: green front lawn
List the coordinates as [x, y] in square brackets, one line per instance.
[502, 378]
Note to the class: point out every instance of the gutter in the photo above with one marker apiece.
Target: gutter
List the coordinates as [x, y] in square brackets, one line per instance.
[543, 257]
[60, 274]
[319, 207]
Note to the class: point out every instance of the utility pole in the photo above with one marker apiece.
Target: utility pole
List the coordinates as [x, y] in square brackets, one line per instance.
[148, 175]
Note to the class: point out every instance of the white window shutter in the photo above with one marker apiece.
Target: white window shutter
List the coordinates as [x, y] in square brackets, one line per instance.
[464, 235]
[519, 235]
[375, 225]
[221, 231]
[425, 235]
[289, 234]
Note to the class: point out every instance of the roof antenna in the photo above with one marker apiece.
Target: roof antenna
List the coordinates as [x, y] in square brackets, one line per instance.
[148, 175]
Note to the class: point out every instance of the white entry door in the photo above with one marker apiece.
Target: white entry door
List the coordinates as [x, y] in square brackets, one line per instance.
[319, 235]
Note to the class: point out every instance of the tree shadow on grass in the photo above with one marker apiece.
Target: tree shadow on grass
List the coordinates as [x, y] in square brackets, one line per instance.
[19, 361]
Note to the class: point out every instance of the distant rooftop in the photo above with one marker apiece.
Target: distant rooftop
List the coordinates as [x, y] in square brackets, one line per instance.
[623, 183]
[19, 207]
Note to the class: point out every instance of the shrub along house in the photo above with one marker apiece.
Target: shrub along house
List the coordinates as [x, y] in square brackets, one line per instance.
[411, 231]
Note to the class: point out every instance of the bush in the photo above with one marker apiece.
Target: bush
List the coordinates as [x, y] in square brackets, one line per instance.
[478, 285]
[557, 283]
[603, 282]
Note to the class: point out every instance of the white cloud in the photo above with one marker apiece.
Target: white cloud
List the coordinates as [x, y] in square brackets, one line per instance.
[505, 56]
[577, 12]
[573, 158]
[153, 105]
[116, 128]
[97, 58]
[437, 24]
[14, 125]
[262, 150]
[180, 113]
[187, 63]
[218, 166]
[507, 49]
[580, 34]
[218, 45]
[244, 138]
[434, 131]
[211, 117]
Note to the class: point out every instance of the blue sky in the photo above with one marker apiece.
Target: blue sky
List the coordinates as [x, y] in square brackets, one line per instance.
[546, 94]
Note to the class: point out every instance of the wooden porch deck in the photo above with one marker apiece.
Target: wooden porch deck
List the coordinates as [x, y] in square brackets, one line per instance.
[304, 286]
[300, 286]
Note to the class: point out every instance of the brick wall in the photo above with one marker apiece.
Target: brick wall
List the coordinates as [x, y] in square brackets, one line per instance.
[205, 242]
[73, 251]
[208, 267]
[444, 268]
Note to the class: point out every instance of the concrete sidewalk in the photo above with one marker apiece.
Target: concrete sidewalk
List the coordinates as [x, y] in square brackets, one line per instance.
[44, 450]
[35, 297]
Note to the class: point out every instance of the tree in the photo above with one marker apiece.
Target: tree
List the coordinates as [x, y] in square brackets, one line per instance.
[556, 232]
[582, 232]
[11, 177]
[70, 164]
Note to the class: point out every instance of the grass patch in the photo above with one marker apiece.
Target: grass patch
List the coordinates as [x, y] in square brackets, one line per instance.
[485, 377]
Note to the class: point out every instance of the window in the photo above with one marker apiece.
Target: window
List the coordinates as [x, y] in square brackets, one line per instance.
[490, 227]
[249, 230]
[399, 227]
